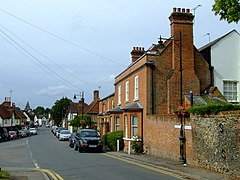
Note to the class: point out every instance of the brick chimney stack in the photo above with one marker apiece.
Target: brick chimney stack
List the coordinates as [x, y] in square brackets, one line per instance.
[181, 22]
[7, 102]
[96, 95]
[137, 52]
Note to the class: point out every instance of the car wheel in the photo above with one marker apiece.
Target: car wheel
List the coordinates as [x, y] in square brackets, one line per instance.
[75, 148]
[80, 150]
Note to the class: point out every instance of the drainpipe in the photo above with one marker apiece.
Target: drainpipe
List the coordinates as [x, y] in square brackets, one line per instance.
[152, 66]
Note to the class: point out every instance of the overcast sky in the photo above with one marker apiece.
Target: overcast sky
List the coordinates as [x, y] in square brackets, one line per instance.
[55, 48]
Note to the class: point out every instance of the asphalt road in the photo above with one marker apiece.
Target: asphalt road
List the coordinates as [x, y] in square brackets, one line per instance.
[46, 152]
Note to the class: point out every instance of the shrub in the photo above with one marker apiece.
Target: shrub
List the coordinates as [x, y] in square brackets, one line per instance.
[213, 108]
[4, 175]
[137, 146]
[110, 140]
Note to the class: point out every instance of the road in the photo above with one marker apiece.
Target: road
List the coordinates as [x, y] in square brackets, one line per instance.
[46, 152]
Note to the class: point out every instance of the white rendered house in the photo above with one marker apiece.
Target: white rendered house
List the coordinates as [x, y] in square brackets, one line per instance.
[223, 54]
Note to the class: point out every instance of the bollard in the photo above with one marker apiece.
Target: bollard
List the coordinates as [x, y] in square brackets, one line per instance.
[117, 145]
[129, 147]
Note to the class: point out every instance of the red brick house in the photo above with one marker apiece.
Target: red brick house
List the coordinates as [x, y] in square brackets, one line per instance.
[157, 81]
[104, 119]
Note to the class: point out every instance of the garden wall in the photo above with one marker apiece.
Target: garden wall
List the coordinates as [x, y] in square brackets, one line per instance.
[216, 139]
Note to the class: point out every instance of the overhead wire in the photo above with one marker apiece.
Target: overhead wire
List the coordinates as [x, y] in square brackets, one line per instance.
[45, 67]
[44, 56]
[67, 41]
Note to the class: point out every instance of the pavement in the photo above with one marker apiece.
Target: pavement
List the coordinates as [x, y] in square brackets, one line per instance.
[165, 166]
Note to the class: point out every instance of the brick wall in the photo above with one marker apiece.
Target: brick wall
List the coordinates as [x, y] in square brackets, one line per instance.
[161, 138]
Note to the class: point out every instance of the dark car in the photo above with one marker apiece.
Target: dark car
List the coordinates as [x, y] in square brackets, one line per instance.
[72, 140]
[4, 134]
[88, 140]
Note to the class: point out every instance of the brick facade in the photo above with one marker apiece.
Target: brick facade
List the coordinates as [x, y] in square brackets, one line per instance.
[158, 72]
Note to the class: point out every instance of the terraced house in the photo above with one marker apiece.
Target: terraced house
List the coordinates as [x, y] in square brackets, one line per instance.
[157, 81]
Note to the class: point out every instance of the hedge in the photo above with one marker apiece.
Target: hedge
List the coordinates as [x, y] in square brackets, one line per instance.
[110, 140]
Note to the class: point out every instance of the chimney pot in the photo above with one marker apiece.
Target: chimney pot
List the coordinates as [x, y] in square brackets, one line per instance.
[188, 10]
[174, 9]
[183, 10]
[178, 9]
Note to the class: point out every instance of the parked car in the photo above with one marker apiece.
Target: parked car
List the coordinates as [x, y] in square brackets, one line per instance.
[64, 135]
[53, 129]
[58, 131]
[4, 134]
[26, 131]
[21, 133]
[88, 140]
[13, 135]
[33, 131]
[72, 140]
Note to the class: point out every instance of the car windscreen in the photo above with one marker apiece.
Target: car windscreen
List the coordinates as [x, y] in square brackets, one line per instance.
[89, 134]
[65, 132]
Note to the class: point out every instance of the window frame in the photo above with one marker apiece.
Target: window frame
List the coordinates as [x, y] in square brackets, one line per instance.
[116, 123]
[136, 88]
[119, 94]
[126, 126]
[134, 127]
[127, 91]
[230, 90]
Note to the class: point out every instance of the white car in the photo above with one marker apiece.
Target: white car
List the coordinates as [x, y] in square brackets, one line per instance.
[33, 131]
[64, 135]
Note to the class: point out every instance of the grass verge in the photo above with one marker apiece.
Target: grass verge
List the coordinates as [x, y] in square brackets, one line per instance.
[4, 174]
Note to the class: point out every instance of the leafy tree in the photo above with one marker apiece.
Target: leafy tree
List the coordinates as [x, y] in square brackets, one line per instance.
[39, 110]
[75, 122]
[47, 111]
[227, 9]
[59, 109]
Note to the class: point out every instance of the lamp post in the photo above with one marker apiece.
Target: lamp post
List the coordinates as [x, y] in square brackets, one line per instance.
[81, 94]
[181, 135]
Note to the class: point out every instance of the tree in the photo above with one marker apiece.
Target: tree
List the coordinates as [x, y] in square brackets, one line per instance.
[75, 122]
[39, 110]
[227, 9]
[59, 110]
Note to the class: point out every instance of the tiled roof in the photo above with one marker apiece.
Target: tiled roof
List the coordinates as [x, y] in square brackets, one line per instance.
[5, 112]
[93, 107]
[206, 99]
[117, 109]
[18, 113]
[134, 106]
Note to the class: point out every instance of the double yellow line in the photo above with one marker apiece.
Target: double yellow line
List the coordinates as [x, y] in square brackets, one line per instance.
[137, 163]
[52, 174]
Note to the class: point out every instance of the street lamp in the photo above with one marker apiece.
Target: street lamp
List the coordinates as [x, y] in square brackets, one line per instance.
[81, 94]
[181, 136]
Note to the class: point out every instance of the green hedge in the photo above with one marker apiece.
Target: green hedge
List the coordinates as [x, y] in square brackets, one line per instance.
[213, 108]
[110, 140]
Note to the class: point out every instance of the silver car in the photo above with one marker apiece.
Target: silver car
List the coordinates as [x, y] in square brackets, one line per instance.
[33, 131]
[64, 135]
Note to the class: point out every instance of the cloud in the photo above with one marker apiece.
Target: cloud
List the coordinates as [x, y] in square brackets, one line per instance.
[53, 90]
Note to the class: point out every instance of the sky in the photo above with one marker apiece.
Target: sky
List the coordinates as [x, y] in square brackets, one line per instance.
[51, 49]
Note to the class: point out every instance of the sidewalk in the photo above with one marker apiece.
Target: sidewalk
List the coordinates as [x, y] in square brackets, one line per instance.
[186, 172]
